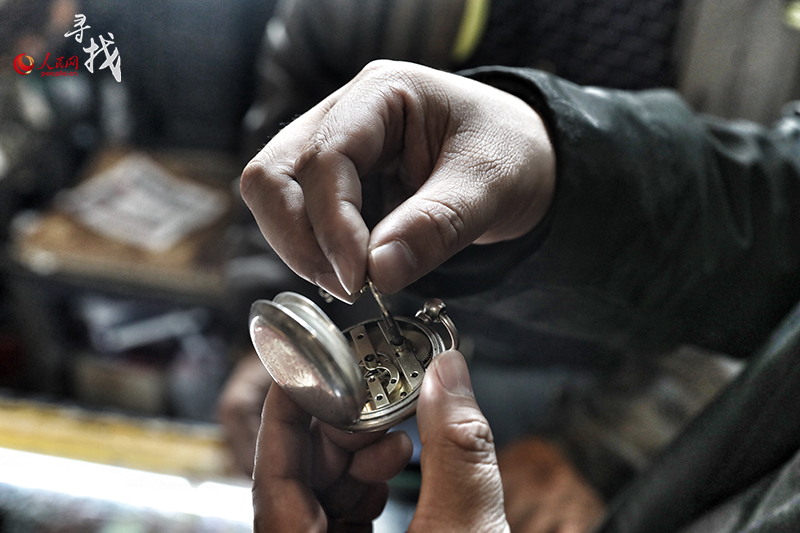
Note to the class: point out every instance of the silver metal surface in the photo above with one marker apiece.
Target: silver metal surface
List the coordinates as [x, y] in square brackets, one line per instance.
[391, 362]
[392, 331]
[366, 378]
[435, 310]
[308, 357]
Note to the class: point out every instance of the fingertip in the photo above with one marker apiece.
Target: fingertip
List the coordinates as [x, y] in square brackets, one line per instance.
[447, 408]
[446, 380]
[392, 266]
[329, 282]
[451, 369]
[405, 445]
[383, 459]
[349, 441]
[460, 480]
[349, 275]
[280, 407]
[331, 188]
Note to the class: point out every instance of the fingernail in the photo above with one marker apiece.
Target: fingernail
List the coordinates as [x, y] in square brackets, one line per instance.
[453, 372]
[345, 274]
[395, 264]
[330, 282]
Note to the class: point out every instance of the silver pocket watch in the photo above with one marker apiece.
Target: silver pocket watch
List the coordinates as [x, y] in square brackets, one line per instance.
[365, 378]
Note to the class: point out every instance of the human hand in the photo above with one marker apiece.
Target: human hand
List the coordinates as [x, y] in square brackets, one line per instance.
[478, 159]
[239, 409]
[311, 477]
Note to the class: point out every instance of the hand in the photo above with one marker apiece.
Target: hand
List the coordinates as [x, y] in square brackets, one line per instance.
[310, 477]
[240, 409]
[543, 491]
[478, 160]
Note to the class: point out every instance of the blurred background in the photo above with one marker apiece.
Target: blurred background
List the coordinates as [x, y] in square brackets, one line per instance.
[129, 262]
[122, 246]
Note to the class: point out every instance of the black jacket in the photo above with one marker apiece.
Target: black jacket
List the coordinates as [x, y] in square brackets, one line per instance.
[667, 227]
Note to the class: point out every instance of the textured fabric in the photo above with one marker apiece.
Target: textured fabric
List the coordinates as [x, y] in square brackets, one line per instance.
[674, 227]
[730, 57]
[313, 47]
[770, 506]
[623, 44]
[747, 433]
[667, 227]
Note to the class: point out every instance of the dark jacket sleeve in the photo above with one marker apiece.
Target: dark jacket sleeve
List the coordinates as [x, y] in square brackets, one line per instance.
[667, 227]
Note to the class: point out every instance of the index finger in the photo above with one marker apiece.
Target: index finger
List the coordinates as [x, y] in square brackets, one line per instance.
[269, 188]
[365, 126]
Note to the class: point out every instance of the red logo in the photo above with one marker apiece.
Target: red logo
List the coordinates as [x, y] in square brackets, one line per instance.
[20, 66]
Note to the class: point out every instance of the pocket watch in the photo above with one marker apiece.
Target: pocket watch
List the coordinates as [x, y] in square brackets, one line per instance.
[365, 378]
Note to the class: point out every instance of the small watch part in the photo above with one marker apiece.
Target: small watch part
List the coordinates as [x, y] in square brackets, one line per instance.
[365, 378]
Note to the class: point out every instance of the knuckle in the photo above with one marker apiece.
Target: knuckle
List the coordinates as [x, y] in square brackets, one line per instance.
[316, 153]
[391, 79]
[252, 173]
[264, 175]
[473, 437]
[448, 222]
[378, 67]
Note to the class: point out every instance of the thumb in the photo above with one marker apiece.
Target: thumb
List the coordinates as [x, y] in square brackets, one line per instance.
[461, 487]
[424, 231]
